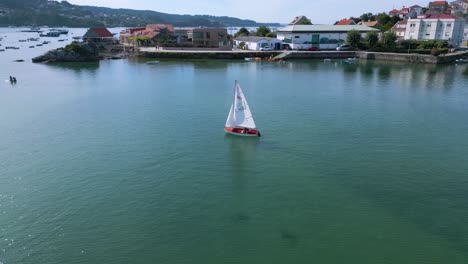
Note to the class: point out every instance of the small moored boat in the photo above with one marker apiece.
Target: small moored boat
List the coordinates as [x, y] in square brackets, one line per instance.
[152, 62]
[240, 121]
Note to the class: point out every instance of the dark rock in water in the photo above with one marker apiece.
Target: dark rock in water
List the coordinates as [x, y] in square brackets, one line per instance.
[288, 235]
[75, 52]
[241, 217]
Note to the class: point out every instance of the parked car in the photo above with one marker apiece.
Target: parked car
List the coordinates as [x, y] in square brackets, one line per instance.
[266, 48]
[343, 47]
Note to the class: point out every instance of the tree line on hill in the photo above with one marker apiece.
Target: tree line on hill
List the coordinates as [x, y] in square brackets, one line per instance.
[54, 13]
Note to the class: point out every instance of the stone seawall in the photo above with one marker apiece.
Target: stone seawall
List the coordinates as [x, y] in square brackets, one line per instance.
[412, 58]
[298, 55]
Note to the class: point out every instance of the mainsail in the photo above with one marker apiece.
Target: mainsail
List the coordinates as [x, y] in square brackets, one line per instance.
[240, 115]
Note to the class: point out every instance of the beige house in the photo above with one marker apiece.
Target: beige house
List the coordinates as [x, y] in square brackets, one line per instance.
[373, 24]
[400, 29]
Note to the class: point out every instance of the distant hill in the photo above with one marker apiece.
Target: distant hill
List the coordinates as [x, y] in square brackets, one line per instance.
[53, 13]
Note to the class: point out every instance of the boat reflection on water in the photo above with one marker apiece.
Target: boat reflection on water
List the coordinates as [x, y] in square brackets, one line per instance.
[242, 153]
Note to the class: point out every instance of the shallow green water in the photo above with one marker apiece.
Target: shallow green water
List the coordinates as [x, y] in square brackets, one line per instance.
[124, 162]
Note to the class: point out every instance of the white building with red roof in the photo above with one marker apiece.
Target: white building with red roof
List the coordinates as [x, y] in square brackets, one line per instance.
[407, 12]
[99, 35]
[436, 27]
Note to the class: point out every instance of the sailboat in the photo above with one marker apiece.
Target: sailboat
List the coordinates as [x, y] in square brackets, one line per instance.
[240, 121]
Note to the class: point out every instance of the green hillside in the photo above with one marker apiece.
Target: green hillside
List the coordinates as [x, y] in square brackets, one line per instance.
[53, 13]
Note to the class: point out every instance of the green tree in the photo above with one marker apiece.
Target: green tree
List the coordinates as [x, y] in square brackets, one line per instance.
[367, 17]
[395, 19]
[383, 18]
[389, 40]
[242, 45]
[354, 38]
[262, 31]
[372, 39]
[242, 32]
[355, 19]
[387, 26]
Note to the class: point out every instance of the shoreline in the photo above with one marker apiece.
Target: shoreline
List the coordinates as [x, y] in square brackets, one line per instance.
[302, 55]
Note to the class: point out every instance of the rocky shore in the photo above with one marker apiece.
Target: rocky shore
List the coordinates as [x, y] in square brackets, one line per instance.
[74, 52]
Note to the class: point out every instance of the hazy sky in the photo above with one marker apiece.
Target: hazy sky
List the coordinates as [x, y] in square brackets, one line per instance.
[283, 11]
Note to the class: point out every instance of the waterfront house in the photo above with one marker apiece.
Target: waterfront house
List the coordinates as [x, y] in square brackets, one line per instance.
[399, 29]
[300, 20]
[318, 36]
[345, 22]
[394, 12]
[373, 24]
[438, 7]
[436, 27]
[153, 35]
[216, 38]
[459, 7]
[256, 43]
[407, 12]
[415, 11]
[126, 34]
[98, 36]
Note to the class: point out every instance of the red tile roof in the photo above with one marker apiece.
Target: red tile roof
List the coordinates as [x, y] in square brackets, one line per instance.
[159, 27]
[131, 30]
[145, 33]
[439, 3]
[441, 16]
[102, 32]
[369, 23]
[345, 22]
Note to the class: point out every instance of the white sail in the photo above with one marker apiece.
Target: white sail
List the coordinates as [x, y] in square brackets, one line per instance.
[240, 114]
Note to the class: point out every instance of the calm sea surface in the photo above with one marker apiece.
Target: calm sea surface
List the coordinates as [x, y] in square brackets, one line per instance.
[126, 162]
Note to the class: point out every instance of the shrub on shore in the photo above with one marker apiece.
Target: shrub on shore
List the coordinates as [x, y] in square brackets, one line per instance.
[388, 43]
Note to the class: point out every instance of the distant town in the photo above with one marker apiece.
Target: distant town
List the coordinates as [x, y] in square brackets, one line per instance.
[439, 25]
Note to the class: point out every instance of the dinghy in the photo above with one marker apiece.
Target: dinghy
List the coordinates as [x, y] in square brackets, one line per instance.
[240, 121]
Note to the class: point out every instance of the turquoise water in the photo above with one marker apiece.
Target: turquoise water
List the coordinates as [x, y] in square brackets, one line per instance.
[125, 162]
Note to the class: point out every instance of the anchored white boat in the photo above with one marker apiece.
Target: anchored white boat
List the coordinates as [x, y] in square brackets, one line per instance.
[240, 121]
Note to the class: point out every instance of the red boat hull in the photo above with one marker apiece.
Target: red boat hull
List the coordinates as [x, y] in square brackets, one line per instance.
[240, 132]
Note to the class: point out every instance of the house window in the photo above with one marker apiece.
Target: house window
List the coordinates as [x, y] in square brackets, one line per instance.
[198, 35]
